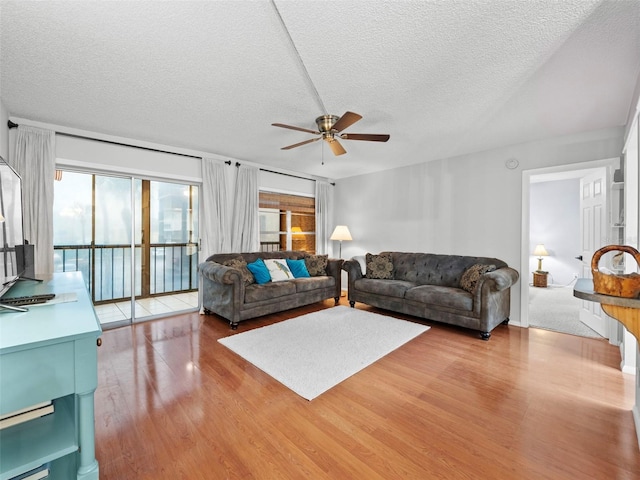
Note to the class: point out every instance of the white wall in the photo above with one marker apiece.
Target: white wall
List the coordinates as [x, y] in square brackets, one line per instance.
[467, 205]
[555, 221]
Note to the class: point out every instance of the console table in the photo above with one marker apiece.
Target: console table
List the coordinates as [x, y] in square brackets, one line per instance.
[625, 310]
[49, 354]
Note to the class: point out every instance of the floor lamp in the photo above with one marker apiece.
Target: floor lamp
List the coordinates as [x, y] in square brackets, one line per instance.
[341, 233]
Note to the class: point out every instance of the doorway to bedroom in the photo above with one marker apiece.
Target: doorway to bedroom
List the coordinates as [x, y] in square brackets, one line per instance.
[560, 215]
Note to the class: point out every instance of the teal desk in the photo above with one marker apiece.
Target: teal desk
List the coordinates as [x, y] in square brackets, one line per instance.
[49, 354]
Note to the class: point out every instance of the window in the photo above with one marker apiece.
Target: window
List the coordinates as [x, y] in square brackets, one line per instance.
[287, 222]
[93, 233]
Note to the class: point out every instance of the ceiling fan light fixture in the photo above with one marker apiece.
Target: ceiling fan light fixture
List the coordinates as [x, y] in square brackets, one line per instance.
[325, 122]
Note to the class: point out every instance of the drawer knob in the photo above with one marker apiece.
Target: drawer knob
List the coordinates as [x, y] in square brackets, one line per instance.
[99, 341]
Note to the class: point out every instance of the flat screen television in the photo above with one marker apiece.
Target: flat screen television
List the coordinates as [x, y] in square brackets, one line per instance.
[11, 228]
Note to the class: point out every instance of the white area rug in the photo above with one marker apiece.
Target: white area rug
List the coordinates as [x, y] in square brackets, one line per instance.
[313, 352]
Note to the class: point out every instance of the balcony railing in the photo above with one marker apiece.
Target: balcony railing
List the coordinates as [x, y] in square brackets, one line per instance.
[106, 269]
[269, 246]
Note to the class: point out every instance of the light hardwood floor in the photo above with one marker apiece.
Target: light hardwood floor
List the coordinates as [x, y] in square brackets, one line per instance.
[528, 404]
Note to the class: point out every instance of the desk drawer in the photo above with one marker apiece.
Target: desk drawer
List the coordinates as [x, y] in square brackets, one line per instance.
[36, 375]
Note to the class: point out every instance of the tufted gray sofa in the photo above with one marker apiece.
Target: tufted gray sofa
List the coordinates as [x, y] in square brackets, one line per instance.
[224, 292]
[428, 286]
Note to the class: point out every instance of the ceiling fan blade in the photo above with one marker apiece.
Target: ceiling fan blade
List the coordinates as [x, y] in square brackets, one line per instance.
[300, 129]
[300, 144]
[336, 147]
[346, 120]
[365, 136]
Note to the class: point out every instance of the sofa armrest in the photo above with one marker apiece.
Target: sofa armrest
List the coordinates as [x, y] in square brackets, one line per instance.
[352, 267]
[502, 278]
[492, 300]
[334, 269]
[354, 272]
[219, 273]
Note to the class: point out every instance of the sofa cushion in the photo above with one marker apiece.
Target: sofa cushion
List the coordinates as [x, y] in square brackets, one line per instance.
[379, 266]
[316, 264]
[268, 291]
[390, 288]
[443, 296]
[278, 269]
[239, 264]
[260, 271]
[314, 283]
[471, 275]
[298, 268]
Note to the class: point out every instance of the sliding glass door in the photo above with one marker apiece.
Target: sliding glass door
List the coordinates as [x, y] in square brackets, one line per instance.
[134, 240]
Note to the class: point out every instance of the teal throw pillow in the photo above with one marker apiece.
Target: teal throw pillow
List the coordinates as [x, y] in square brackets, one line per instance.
[260, 271]
[298, 268]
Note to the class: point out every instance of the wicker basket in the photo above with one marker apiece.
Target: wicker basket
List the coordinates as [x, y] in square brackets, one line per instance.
[622, 285]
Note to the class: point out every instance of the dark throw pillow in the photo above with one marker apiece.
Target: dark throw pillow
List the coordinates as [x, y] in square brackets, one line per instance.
[470, 277]
[239, 264]
[379, 266]
[316, 264]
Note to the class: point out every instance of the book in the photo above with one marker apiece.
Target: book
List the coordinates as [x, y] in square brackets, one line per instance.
[25, 414]
[35, 474]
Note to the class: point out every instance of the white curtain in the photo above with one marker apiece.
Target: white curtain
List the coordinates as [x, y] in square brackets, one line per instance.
[246, 223]
[34, 160]
[216, 227]
[324, 210]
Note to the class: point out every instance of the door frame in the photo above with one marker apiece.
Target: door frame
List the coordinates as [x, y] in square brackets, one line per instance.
[525, 255]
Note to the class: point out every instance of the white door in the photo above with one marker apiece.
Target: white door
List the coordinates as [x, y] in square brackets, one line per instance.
[593, 228]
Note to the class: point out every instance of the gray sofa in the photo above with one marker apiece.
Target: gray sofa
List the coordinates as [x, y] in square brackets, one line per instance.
[225, 292]
[430, 286]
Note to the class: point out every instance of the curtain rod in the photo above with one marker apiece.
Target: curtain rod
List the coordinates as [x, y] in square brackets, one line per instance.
[228, 162]
[11, 124]
[73, 135]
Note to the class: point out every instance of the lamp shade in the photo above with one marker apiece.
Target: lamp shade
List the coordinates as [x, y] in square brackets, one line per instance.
[341, 232]
[540, 251]
[296, 233]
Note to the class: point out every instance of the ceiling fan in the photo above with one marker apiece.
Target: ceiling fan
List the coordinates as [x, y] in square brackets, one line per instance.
[330, 128]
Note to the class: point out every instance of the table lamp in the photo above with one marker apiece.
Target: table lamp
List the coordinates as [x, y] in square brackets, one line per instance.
[341, 233]
[540, 252]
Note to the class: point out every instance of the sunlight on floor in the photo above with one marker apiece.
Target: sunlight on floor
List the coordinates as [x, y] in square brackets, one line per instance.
[117, 312]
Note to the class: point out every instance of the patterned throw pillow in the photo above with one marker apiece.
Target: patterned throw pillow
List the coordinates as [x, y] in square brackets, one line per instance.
[239, 264]
[278, 269]
[470, 277]
[379, 266]
[316, 264]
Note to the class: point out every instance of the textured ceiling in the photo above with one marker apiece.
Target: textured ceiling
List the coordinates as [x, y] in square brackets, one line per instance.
[442, 77]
